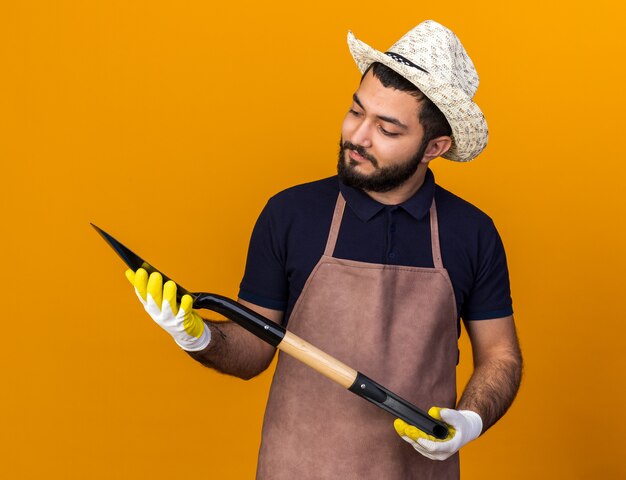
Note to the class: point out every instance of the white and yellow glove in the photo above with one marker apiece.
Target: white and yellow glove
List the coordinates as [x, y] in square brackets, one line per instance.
[463, 427]
[182, 323]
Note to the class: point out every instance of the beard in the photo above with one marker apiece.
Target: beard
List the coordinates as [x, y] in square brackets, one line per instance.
[383, 179]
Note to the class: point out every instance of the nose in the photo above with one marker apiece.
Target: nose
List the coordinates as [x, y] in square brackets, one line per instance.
[361, 134]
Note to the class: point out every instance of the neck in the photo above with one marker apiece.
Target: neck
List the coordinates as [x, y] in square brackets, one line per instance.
[405, 191]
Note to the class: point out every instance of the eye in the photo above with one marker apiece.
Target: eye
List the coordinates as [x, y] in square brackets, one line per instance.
[352, 111]
[387, 133]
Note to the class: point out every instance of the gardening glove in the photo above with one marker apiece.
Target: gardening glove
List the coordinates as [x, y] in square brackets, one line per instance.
[463, 427]
[181, 322]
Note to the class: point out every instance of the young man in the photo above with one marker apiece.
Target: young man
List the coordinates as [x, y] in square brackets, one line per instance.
[375, 267]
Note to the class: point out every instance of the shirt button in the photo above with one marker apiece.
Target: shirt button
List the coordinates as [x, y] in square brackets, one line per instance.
[392, 254]
[392, 228]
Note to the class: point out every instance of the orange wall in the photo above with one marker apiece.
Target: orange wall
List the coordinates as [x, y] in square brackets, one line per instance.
[170, 123]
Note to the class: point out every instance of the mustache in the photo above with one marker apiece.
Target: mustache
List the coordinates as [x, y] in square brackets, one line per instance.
[360, 150]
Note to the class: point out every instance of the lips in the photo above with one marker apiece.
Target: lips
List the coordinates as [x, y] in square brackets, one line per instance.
[356, 156]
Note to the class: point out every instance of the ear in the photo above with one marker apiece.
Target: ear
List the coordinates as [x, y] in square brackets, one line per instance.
[436, 148]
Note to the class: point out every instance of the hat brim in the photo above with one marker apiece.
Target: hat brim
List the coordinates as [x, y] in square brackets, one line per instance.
[469, 128]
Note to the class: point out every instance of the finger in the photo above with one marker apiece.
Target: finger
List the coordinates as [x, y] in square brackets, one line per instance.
[140, 281]
[155, 288]
[130, 276]
[186, 303]
[426, 446]
[169, 296]
[415, 433]
[400, 425]
[435, 412]
[192, 322]
[435, 450]
[404, 429]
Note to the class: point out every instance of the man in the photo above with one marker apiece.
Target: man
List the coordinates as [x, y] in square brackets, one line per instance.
[375, 267]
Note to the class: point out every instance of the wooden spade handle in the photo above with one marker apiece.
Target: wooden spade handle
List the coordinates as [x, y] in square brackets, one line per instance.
[318, 360]
[356, 382]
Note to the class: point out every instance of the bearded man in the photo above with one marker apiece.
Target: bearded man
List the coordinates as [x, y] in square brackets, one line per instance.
[376, 266]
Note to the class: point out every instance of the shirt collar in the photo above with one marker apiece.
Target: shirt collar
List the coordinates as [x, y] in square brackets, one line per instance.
[365, 207]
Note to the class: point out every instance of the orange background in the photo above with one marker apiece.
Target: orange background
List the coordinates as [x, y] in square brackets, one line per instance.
[169, 124]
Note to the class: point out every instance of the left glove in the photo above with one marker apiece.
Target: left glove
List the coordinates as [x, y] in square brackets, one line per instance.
[181, 322]
[464, 426]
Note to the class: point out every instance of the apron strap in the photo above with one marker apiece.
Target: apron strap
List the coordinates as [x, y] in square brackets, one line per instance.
[334, 226]
[434, 236]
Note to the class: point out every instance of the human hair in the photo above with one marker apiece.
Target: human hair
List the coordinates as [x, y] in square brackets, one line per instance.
[432, 120]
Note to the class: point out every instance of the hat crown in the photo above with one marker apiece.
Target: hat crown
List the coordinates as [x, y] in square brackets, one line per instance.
[437, 50]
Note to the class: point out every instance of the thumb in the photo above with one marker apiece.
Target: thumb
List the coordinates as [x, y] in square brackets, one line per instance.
[451, 417]
[435, 412]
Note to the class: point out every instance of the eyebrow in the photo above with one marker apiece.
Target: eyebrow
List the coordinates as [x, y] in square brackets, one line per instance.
[384, 118]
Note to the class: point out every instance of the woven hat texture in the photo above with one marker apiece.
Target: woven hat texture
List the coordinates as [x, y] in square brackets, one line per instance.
[448, 78]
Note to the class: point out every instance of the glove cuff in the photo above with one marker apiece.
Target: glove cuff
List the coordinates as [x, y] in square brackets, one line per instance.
[192, 344]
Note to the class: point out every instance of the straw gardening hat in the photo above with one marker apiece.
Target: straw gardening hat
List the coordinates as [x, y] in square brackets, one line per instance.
[432, 58]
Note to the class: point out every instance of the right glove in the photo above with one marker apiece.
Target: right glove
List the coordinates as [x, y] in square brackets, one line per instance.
[182, 323]
[464, 426]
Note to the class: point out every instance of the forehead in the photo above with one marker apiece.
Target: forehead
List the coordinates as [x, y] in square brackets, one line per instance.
[384, 101]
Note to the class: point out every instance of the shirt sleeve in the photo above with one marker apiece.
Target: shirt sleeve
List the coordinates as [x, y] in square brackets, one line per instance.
[264, 282]
[490, 296]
